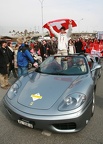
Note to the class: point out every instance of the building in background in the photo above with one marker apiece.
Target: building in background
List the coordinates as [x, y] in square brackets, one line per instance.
[100, 35]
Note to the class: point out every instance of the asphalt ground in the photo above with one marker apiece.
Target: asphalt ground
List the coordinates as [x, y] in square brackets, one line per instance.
[13, 133]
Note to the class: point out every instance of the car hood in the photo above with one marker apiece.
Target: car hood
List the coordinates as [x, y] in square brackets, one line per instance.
[43, 91]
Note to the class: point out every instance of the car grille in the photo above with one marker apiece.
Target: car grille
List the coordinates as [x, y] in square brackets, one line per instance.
[65, 126]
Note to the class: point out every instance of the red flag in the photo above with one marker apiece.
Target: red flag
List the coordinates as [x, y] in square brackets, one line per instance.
[57, 24]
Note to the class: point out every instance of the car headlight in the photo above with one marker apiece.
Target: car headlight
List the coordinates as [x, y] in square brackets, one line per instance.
[14, 89]
[72, 101]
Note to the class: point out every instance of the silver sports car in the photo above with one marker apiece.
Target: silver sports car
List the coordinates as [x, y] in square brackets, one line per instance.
[58, 96]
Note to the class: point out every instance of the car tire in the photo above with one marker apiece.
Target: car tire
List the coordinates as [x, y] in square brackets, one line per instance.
[93, 104]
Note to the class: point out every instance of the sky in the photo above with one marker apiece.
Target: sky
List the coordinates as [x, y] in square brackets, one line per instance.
[19, 15]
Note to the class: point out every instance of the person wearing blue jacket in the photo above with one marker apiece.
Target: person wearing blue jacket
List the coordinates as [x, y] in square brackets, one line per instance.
[23, 58]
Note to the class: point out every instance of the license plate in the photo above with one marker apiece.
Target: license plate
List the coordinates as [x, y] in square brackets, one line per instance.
[25, 123]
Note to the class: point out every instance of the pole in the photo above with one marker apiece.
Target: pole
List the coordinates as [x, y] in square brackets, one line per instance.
[41, 1]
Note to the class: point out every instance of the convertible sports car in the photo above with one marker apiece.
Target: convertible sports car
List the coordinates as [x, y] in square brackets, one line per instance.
[58, 96]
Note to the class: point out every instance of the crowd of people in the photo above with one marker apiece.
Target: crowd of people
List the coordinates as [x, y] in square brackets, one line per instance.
[16, 59]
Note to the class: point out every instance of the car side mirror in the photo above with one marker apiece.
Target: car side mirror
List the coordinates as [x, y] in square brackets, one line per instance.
[96, 67]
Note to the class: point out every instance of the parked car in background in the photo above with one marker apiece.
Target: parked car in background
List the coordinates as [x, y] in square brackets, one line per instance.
[14, 44]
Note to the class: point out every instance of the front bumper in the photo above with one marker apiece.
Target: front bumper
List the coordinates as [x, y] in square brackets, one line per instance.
[62, 124]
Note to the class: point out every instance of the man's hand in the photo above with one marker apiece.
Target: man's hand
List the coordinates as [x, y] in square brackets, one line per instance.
[35, 65]
[45, 55]
[70, 24]
[70, 21]
[48, 24]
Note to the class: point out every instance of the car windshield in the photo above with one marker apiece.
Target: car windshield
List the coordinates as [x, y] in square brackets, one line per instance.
[63, 65]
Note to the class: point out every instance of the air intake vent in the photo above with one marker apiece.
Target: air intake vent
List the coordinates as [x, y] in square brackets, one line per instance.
[65, 126]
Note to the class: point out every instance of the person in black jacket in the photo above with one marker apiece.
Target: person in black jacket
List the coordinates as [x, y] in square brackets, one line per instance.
[4, 65]
[11, 55]
[78, 46]
[44, 49]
